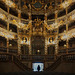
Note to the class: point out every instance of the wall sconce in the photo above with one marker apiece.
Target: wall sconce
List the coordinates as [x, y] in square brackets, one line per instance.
[10, 45]
[64, 45]
[38, 51]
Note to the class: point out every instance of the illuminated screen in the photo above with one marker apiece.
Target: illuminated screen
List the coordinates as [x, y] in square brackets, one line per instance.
[35, 65]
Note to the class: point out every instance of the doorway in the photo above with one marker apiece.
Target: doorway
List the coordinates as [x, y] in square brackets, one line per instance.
[35, 65]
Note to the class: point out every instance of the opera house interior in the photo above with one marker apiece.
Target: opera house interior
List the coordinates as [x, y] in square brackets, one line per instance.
[37, 33]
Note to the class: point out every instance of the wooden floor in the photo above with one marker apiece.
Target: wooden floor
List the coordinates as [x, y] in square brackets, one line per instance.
[36, 73]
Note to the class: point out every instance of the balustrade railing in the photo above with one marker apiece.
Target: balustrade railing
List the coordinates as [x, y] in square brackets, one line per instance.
[10, 50]
[10, 57]
[62, 58]
[3, 49]
[13, 51]
[38, 57]
[64, 50]
[18, 59]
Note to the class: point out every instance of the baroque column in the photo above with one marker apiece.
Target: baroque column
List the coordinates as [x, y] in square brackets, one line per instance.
[8, 30]
[57, 41]
[46, 46]
[67, 31]
[19, 40]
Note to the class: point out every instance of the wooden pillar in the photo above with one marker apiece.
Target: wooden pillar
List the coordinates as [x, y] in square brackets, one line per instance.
[18, 41]
[7, 45]
[19, 45]
[45, 20]
[46, 52]
[30, 24]
[30, 51]
[29, 16]
[45, 16]
[8, 18]
[8, 30]
[30, 10]
[67, 31]
[18, 37]
[57, 41]
[45, 12]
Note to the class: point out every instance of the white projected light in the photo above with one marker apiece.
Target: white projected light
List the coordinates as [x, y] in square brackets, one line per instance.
[35, 65]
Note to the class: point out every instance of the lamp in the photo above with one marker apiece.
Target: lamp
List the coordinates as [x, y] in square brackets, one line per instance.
[10, 44]
[38, 51]
[64, 45]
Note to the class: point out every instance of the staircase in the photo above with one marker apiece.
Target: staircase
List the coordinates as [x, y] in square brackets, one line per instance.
[36, 73]
[6, 57]
[67, 58]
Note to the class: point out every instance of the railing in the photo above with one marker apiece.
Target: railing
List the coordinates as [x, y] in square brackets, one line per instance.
[37, 57]
[62, 58]
[21, 65]
[10, 50]
[71, 50]
[13, 58]
[3, 49]
[64, 50]
[13, 51]
[9, 33]
[25, 20]
[71, 27]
